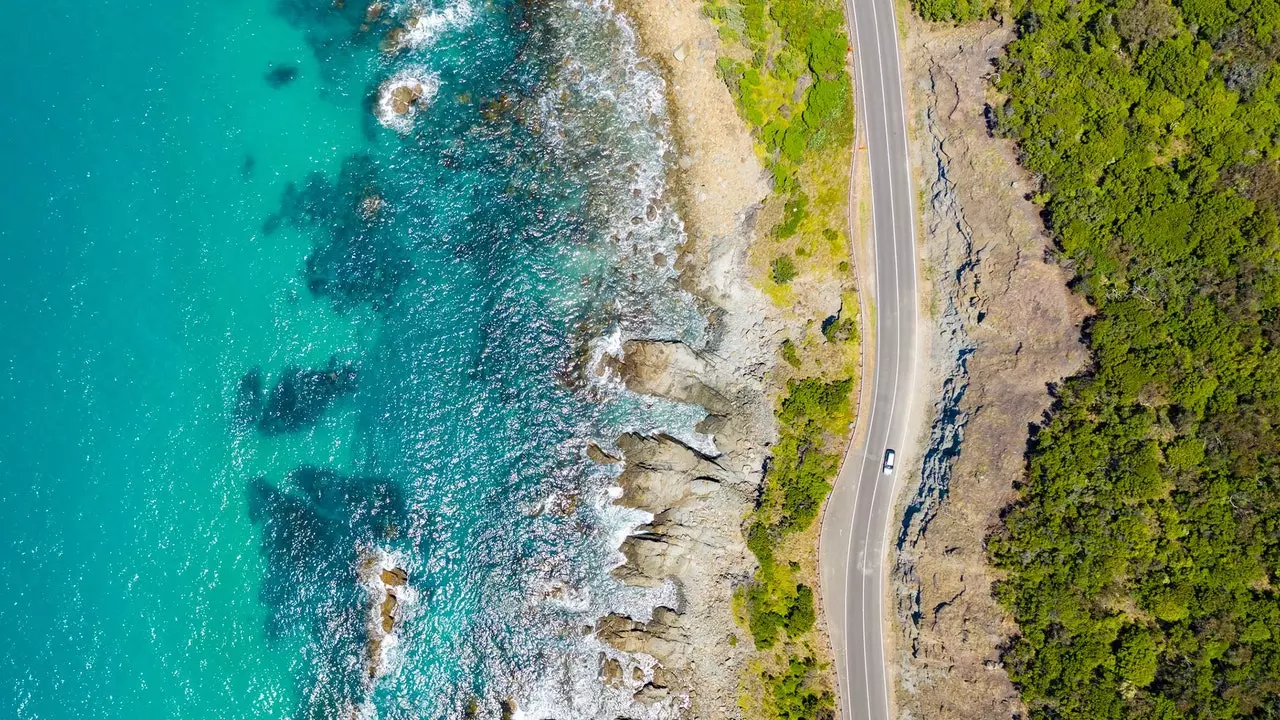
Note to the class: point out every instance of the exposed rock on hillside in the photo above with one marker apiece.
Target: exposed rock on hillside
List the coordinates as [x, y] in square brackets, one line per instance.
[1006, 327]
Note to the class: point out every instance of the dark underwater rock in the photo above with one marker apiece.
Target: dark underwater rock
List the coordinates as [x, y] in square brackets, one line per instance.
[333, 30]
[249, 397]
[313, 526]
[280, 75]
[301, 397]
[356, 257]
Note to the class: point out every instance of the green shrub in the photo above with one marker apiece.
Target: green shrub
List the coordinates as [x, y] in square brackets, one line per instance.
[789, 353]
[794, 212]
[840, 330]
[783, 269]
[802, 616]
[794, 697]
[956, 11]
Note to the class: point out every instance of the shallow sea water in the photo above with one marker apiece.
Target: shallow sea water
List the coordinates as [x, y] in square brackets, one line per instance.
[255, 335]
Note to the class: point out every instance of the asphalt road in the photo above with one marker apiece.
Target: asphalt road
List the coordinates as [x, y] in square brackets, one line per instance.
[857, 525]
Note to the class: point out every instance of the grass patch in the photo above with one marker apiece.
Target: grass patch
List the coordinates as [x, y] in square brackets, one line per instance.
[784, 63]
[783, 270]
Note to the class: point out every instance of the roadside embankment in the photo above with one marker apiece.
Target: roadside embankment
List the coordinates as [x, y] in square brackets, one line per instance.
[1004, 328]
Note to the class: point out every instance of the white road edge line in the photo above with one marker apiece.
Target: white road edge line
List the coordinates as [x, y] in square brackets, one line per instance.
[915, 312]
[915, 293]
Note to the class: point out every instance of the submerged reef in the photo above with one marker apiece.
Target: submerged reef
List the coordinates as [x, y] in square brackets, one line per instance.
[511, 233]
[316, 526]
[248, 403]
[280, 75]
[335, 30]
[302, 396]
[298, 400]
[356, 257]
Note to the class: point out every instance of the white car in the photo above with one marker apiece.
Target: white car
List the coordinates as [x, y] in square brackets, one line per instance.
[889, 457]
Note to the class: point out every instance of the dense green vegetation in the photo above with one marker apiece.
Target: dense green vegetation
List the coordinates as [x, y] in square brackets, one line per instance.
[786, 71]
[1143, 557]
[814, 416]
[796, 482]
[794, 89]
[952, 10]
[783, 269]
[784, 62]
[793, 698]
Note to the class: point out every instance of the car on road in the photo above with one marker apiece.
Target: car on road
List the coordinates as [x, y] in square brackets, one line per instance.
[889, 457]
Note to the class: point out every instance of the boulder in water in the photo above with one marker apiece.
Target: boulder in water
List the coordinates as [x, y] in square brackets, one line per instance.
[402, 95]
[394, 577]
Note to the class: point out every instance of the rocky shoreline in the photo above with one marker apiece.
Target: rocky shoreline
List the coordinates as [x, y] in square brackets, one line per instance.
[707, 662]
[698, 502]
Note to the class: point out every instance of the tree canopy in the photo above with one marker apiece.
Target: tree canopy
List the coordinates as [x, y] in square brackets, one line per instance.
[1143, 556]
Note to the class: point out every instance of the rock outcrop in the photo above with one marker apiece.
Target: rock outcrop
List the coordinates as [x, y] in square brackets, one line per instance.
[694, 539]
[698, 501]
[402, 95]
[1006, 329]
[387, 586]
[672, 370]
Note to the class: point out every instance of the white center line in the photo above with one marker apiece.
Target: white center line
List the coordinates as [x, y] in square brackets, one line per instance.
[870, 561]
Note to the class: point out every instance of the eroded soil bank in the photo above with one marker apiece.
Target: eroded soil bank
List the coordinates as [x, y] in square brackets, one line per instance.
[1004, 328]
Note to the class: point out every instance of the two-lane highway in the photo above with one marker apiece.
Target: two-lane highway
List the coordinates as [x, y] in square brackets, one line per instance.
[855, 532]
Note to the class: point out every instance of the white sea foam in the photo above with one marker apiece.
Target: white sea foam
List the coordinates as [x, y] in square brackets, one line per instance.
[423, 26]
[372, 562]
[605, 114]
[604, 89]
[574, 690]
[605, 353]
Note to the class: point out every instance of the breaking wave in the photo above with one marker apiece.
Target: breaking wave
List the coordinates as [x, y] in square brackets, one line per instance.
[507, 228]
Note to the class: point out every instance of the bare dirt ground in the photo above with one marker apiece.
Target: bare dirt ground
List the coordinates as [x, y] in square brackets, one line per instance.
[1004, 328]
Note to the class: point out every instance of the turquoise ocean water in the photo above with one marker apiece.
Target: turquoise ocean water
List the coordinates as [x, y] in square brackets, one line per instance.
[254, 336]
